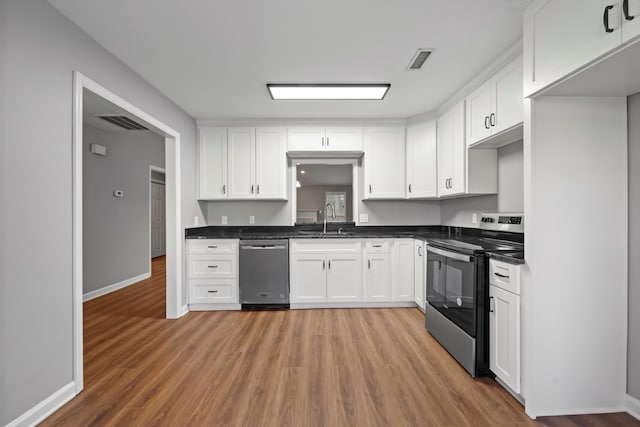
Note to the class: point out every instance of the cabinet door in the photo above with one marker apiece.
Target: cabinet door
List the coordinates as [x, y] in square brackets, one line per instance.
[306, 139]
[384, 163]
[631, 21]
[561, 36]
[241, 162]
[504, 336]
[419, 265]
[422, 177]
[479, 112]
[308, 278]
[457, 184]
[344, 277]
[377, 285]
[402, 286]
[508, 100]
[271, 163]
[212, 163]
[445, 153]
[343, 139]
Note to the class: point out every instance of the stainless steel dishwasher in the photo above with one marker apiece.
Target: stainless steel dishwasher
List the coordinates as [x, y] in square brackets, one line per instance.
[264, 273]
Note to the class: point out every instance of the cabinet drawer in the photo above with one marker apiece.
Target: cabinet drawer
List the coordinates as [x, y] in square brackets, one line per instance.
[332, 246]
[212, 291]
[207, 266]
[204, 246]
[505, 276]
[378, 246]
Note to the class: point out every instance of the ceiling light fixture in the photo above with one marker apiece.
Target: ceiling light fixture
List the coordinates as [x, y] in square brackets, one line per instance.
[298, 185]
[303, 172]
[331, 92]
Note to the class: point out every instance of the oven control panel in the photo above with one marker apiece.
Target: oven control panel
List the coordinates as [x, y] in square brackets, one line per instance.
[512, 222]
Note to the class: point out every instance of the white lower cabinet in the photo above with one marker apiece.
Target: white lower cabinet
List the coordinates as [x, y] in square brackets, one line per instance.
[504, 324]
[420, 272]
[326, 270]
[403, 284]
[212, 271]
[377, 280]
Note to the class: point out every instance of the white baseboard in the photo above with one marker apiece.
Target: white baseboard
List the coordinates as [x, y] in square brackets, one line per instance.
[184, 310]
[633, 406]
[112, 288]
[582, 411]
[45, 408]
[214, 307]
[308, 305]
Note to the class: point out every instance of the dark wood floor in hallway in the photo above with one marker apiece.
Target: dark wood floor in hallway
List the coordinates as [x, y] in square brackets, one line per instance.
[357, 367]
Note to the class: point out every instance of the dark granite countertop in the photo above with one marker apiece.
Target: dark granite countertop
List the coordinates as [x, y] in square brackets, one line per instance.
[473, 240]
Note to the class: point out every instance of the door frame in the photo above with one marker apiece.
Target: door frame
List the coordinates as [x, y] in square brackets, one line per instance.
[174, 231]
[152, 169]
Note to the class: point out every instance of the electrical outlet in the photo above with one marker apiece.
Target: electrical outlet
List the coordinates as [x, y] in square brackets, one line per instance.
[224, 220]
[474, 218]
[364, 218]
[252, 219]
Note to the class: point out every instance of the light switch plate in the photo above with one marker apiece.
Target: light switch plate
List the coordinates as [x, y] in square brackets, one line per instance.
[364, 218]
[224, 220]
[474, 218]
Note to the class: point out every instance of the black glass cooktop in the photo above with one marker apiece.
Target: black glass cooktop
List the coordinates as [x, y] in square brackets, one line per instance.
[475, 245]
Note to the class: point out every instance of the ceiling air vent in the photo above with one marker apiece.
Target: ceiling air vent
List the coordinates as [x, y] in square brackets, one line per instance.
[419, 59]
[121, 121]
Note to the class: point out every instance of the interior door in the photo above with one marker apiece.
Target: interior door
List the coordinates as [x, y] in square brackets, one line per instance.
[158, 237]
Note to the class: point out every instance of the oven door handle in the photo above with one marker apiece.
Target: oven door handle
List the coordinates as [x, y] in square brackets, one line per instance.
[453, 255]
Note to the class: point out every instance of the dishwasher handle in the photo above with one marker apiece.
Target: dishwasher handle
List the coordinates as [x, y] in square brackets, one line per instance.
[261, 247]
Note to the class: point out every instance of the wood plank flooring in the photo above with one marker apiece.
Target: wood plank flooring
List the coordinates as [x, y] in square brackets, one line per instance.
[358, 367]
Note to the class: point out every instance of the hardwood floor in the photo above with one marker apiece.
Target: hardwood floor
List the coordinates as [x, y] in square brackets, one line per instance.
[358, 367]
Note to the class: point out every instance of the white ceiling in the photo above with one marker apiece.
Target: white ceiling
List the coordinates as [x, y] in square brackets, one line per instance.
[214, 58]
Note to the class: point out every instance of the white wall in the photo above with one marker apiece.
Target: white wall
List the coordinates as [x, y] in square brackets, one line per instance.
[116, 230]
[575, 280]
[458, 212]
[510, 178]
[633, 357]
[41, 49]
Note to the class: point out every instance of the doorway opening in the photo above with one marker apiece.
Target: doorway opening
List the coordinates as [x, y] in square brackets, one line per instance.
[127, 114]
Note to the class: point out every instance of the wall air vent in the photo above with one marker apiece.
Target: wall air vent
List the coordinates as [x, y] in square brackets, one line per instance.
[419, 59]
[122, 121]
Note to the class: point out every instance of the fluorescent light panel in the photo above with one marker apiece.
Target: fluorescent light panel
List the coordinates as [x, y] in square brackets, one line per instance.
[328, 91]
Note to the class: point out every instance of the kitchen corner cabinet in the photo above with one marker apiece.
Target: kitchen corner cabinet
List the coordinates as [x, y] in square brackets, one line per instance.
[241, 163]
[384, 163]
[422, 176]
[403, 285]
[552, 51]
[451, 152]
[420, 272]
[496, 105]
[333, 139]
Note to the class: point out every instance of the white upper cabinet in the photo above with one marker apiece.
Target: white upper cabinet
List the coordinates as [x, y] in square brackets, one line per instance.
[384, 163]
[564, 36]
[212, 163]
[496, 105]
[422, 177]
[271, 163]
[337, 139]
[451, 152]
[242, 163]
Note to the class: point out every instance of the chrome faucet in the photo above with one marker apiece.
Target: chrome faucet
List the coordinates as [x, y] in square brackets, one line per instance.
[333, 215]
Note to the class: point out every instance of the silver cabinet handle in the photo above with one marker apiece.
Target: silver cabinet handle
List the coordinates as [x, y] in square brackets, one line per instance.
[212, 266]
[258, 189]
[450, 183]
[323, 264]
[409, 188]
[491, 305]
[212, 247]
[370, 187]
[329, 264]
[419, 250]
[327, 141]
[369, 263]
[252, 189]
[224, 188]
[323, 141]
[377, 246]
[492, 119]
[502, 276]
[486, 122]
[213, 292]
